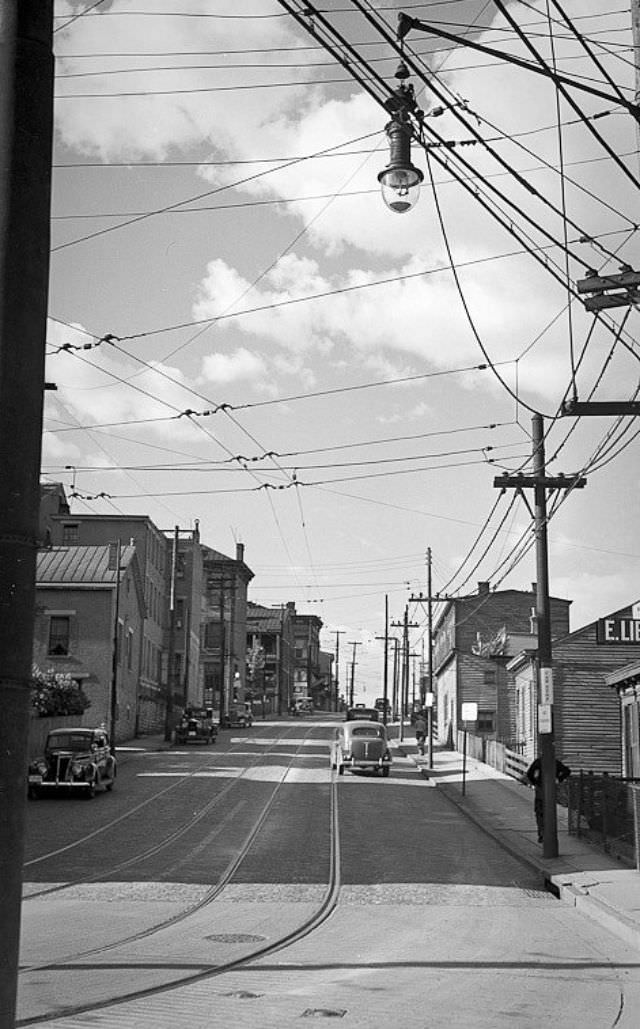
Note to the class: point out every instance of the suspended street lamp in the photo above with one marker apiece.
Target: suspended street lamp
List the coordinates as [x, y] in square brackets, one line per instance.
[400, 180]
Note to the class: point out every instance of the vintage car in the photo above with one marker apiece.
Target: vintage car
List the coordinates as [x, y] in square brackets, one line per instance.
[363, 745]
[75, 760]
[196, 726]
[239, 716]
[362, 713]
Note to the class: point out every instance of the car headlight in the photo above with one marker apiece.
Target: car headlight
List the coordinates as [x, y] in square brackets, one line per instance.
[38, 767]
[78, 770]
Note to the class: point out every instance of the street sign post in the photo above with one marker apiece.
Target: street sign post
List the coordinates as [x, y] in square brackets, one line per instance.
[469, 714]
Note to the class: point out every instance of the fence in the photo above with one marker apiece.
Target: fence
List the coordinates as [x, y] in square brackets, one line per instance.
[606, 811]
[602, 808]
[490, 752]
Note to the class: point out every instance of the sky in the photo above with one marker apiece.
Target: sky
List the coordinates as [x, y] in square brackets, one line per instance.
[243, 335]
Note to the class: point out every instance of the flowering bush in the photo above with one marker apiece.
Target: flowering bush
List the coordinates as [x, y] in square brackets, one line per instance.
[57, 693]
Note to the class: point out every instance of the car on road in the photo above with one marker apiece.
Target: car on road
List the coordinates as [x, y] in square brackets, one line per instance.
[239, 716]
[196, 726]
[361, 713]
[74, 761]
[361, 745]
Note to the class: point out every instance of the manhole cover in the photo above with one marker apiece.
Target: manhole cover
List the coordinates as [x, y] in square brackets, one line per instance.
[235, 938]
[324, 1013]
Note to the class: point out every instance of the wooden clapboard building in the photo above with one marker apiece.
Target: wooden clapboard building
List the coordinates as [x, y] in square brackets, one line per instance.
[586, 709]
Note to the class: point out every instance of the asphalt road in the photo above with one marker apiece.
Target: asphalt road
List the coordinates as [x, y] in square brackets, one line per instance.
[435, 922]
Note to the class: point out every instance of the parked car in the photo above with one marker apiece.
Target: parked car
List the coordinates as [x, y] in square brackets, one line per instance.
[363, 745]
[74, 760]
[196, 726]
[362, 713]
[303, 707]
[239, 717]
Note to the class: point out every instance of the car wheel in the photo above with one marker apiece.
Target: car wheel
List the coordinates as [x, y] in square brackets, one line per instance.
[90, 791]
[385, 772]
[340, 769]
[33, 793]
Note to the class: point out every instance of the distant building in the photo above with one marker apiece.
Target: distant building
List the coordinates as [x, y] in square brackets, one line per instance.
[308, 679]
[474, 638]
[84, 608]
[270, 657]
[182, 633]
[223, 641]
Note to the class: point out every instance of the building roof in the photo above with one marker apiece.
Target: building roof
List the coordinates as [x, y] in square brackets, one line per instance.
[263, 619]
[79, 566]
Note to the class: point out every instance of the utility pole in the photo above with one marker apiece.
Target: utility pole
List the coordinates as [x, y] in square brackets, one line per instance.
[430, 655]
[354, 644]
[540, 482]
[168, 713]
[339, 633]
[635, 25]
[26, 132]
[404, 684]
[115, 557]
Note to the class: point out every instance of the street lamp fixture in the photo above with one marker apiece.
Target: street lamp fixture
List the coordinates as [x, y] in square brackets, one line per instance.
[400, 180]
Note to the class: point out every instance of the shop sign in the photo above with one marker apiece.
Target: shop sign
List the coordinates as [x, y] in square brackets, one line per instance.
[618, 630]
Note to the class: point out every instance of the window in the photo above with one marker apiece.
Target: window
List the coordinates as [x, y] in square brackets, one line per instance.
[59, 635]
[212, 635]
[486, 721]
[70, 532]
[130, 648]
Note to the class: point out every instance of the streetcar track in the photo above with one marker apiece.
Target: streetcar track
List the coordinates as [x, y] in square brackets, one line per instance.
[156, 848]
[317, 918]
[313, 922]
[211, 894]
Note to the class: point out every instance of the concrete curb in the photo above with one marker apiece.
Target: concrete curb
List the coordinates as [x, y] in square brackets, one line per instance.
[612, 919]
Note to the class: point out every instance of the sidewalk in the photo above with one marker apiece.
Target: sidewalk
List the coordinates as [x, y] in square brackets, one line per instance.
[601, 887]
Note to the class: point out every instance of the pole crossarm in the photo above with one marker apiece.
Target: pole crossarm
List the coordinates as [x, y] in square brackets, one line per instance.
[406, 24]
[601, 407]
[610, 290]
[520, 481]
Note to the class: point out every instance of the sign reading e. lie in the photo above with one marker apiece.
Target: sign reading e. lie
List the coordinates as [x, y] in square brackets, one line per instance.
[618, 630]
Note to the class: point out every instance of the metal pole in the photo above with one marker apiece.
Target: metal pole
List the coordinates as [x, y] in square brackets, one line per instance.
[26, 127]
[546, 745]
[464, 761]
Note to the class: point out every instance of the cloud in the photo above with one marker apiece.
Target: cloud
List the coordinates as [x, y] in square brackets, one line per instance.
[225, 368]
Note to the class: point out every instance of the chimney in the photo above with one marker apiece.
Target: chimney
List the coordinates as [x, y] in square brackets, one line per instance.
[483, 588]
[239, 551]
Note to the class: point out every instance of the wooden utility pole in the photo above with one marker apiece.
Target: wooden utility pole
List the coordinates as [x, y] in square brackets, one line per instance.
[354, 644]
[339, 633]
[26, 132]
[115, 558]
[168, 717]
[540, 482]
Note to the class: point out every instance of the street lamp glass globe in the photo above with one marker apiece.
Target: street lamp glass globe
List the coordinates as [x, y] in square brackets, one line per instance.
[400, 188]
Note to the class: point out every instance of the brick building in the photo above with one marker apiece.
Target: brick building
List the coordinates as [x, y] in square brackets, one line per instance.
[270, 656]
[82, 606]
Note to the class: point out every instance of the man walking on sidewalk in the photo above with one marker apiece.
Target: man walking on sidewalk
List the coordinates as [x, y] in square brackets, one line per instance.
[421, 733]
[534, 777]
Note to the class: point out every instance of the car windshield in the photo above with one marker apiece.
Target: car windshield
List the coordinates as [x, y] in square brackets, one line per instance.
[70, 741]
[367, 730]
